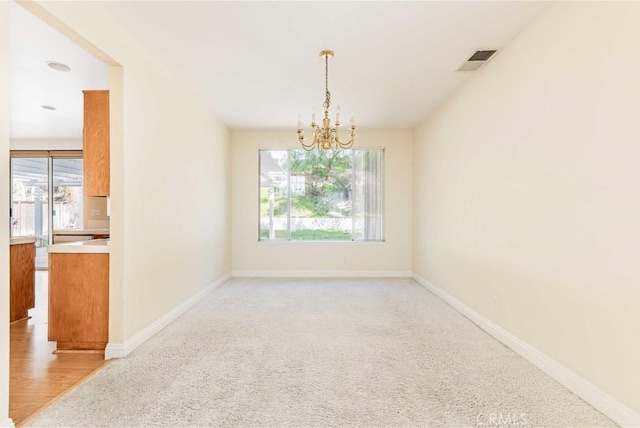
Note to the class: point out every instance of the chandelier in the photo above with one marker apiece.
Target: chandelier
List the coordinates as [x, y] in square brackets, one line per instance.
[326, 137]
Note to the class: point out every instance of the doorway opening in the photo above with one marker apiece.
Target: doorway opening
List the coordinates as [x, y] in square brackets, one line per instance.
[46, 192]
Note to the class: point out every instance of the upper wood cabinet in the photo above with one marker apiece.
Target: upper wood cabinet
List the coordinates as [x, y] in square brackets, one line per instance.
[95, 143]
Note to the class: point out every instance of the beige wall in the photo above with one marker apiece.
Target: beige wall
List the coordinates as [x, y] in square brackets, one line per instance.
[4, 202]
[170, 199]
[249, 255]
[526, 188]
[177, 198]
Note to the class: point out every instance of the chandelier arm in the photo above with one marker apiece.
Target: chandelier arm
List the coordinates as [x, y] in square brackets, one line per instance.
[351, 140]
[308, 147]
[302, 140]
[346, 145]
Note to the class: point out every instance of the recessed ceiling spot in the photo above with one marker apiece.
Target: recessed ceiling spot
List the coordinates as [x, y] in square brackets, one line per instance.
[46, 107]
[58, 66]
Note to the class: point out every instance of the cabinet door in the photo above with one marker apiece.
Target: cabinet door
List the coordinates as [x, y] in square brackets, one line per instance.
[79, 300]
[22, 274]
[96, 143]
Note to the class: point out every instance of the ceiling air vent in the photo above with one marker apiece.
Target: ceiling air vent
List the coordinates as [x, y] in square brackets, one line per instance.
[477, 60]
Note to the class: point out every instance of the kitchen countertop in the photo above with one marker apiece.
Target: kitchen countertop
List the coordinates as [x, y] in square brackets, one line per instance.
[81, 232]
[16, 240]
[94, 246]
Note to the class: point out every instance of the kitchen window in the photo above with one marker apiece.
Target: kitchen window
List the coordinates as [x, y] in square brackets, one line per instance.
[321, 196]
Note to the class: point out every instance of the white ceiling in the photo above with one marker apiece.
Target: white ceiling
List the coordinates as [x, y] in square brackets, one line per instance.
[257, 63]
[33, 83]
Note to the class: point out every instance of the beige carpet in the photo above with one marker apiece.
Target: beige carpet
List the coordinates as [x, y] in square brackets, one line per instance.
[312, 352]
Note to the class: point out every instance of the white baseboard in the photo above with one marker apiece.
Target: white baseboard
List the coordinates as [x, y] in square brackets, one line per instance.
[618, 412]
[120, 350]
[114, 350]
[7, 423]
[321, 273]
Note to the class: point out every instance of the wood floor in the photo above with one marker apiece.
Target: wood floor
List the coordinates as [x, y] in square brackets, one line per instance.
[37, 376]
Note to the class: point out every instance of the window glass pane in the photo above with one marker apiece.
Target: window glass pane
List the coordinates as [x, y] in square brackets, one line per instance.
[274, 197]
[29, 198]
[67, 193]
[321, 195]
[368, 192]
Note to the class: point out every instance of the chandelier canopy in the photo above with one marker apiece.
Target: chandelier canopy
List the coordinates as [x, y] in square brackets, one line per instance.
[326, 137]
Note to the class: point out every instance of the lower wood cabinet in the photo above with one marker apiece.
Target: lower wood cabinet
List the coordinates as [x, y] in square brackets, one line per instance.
[22, 280]
[79, 300]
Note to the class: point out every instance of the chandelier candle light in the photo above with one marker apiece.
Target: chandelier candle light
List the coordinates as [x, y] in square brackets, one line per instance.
[326, 137]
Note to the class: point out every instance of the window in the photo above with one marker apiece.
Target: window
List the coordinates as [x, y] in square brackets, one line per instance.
[321, 196]
[38, 178]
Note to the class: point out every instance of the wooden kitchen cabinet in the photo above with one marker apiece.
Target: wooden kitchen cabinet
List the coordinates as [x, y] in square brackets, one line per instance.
[96, 143]
[79, 300]
[22, 274]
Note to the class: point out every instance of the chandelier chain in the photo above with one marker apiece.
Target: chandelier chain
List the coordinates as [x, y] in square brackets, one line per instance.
[327, 102]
